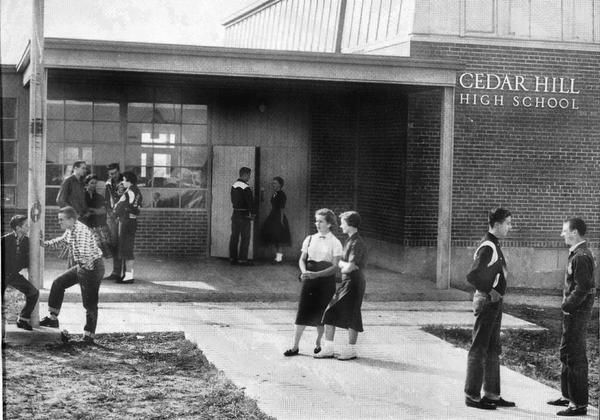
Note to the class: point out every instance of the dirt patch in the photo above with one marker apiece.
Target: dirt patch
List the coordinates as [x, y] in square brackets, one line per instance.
[122, 376]
[535, 353]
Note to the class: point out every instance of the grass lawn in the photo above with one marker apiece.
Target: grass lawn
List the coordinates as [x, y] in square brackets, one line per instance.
[122, 376]
[535, 354]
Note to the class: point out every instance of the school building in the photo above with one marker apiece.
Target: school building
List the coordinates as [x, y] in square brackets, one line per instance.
[422, 115]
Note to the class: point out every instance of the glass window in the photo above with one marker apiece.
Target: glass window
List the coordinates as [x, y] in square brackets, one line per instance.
[78, 131]
[107, 132]
[56, 131]
[194, 134]
[9, 107]
[194, 114]
[55, 109]
[54, 174]
[140, 112]
[78, 110]
[9, 173]
[51, 194]
[167, 113]
[106, 111]
[9, 128]
[9, 151]
[8, 196]
[8, 134]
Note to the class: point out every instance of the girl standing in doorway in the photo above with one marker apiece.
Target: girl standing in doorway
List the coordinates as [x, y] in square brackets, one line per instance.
[276, 230]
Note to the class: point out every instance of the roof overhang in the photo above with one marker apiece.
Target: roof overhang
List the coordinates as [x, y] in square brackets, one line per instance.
[245, 63]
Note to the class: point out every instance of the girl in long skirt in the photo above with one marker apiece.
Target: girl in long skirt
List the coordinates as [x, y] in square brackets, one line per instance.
[344, 308]
[321, 254]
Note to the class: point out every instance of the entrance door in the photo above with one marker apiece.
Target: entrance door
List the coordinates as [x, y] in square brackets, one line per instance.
[227, 161]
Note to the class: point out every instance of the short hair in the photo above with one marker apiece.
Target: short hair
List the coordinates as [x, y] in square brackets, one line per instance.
[245, 171]
[78, 163]
[130, 176]
[278, 179]
[69, 212]
[577, 223]
[112, 166]
[351, 217]
[89, 178]
[17, 220]
[498, 215]
[329, 216]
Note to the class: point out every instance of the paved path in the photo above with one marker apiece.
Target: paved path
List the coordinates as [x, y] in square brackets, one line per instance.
[402, 372]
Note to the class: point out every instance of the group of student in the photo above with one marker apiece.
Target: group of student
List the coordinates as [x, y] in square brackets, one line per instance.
[83, 216]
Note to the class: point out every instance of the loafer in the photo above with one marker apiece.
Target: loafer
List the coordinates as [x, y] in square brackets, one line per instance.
[246, 263]
[573, 411]
[24, 325]
[482, 405]
[560, 402]
[291, 352]
[500, 402]
[317, 350]
[49, 322]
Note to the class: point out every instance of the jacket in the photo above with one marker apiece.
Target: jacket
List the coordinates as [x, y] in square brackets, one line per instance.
[579, 278]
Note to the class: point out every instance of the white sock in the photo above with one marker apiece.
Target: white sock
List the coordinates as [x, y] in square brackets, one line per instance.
[278, 257]
[128, 275]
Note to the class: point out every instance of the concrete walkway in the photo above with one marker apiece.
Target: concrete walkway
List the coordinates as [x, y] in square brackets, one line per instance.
[401, 373]
[215, 280]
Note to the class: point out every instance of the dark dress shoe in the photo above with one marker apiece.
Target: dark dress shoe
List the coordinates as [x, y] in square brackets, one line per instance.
[291, 352]
[317, 350]
[479, 404]
[560, 402]
[500, 402]
[24, 325]
[573, 411]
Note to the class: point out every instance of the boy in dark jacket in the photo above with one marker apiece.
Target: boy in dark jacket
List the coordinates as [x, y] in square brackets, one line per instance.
[15, 257]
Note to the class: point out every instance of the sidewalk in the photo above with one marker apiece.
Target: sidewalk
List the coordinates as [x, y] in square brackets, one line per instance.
[215, 280]
[402, 372]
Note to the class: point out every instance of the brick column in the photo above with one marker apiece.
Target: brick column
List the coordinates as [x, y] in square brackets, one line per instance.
[445, 197]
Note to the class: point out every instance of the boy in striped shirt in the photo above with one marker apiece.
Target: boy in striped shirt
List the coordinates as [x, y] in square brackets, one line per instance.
[88, 271]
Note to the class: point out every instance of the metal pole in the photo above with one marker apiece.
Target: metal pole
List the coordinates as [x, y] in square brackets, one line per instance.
[37, 153]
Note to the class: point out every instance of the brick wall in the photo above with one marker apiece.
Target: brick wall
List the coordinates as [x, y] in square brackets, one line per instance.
[168, 233]
[541, 163]
[358, 160]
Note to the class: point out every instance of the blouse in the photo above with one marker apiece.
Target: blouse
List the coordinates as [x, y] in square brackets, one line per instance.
[322, 247]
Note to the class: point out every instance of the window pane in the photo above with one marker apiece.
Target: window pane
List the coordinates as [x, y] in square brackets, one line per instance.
[135, 156]
[8, 196]
[106, 111]
[193, 199]
[139, 112]
[161, 198]
[194, 134]
[193, 177]
[56, 131]
[135, 132]
[78, 110]
[102, 173]
[105, 154]
[163, 134]
[9, 128]
[9, 151]
[9, 173]
[86, 154]
[9, 108]
[163, 177]
[107, 132]
[194, 156]
[194, 114]
[51, 194]
[78, 131]
[54, 174]
[141, 173]
[56, 109]
[167, 113]
[54, 153]
[71, 154]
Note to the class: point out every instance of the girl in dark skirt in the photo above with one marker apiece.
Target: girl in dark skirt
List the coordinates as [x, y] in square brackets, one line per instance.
[275, 230]
[344, 308]
[321, 254]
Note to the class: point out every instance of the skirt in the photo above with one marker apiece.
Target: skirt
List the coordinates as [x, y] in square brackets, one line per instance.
[343, 310]
[127, 232]
[275, 231]
[314, 296]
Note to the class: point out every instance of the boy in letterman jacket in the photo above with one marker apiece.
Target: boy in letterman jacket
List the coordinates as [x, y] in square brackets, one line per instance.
[488, 276]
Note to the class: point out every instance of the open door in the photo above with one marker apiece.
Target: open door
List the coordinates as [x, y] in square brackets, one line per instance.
[227, 161]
